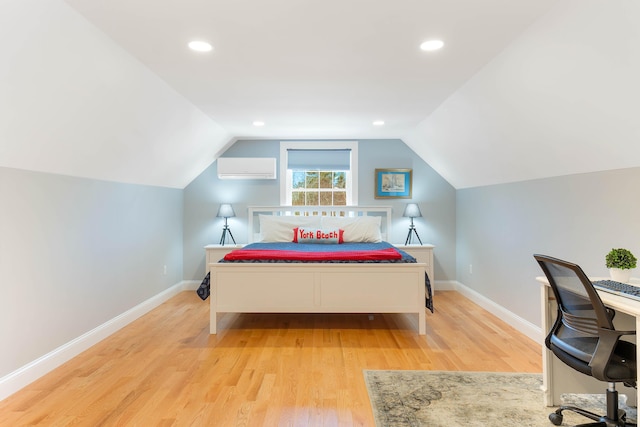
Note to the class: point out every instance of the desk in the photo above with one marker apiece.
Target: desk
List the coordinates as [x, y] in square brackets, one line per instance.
[558, 378]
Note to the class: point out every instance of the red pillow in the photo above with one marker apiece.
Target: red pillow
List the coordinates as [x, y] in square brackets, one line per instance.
[315, 235]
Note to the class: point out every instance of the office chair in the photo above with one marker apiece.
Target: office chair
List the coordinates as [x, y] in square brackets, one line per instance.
[583, 337]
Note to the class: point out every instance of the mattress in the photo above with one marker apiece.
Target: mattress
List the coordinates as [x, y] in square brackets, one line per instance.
[381, 252]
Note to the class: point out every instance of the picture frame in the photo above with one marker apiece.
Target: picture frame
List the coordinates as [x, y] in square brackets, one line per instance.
[393, 183]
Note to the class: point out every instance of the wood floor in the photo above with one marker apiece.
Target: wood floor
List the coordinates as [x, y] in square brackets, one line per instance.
[261, 369]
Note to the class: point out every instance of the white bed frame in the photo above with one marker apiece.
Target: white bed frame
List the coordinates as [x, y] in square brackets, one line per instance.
[317, 287]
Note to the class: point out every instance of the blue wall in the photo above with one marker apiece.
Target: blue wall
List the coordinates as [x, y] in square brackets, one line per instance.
[75, 253]
[576, 217]
[435, 196]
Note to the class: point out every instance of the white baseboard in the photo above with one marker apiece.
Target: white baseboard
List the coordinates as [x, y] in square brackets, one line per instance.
[30, 372]
[524, 326]
[190, 285]
[445, 285]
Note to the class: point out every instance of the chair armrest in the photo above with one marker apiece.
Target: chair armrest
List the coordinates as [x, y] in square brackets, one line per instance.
[607, 341]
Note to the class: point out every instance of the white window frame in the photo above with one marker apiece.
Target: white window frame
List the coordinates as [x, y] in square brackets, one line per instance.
[286, 177]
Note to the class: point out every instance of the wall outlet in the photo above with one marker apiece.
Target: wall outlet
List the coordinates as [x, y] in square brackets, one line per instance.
[470, 268]
[164, 270]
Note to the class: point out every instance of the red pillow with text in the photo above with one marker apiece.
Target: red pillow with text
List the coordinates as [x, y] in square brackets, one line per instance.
[315, 235]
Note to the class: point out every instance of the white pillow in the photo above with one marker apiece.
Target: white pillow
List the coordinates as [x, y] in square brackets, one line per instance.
[274, 228]
[315, 235]
[362, 229]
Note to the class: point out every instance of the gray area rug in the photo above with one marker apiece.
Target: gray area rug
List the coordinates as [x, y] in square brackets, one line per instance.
[441, 398]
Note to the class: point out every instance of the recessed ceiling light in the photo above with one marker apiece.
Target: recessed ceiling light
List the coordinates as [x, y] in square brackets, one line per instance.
[258, 123]
[432, 45]
[200, 46]
[378, 123]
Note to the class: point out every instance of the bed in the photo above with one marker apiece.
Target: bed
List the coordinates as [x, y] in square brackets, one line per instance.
[317, 285]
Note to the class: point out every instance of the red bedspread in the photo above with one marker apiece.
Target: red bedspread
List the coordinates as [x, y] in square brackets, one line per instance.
[262, 254]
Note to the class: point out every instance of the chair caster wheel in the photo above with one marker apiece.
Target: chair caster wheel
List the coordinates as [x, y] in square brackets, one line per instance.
[556, 419]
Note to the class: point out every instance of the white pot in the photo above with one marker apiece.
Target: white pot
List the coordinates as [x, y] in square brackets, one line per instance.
[620, 275]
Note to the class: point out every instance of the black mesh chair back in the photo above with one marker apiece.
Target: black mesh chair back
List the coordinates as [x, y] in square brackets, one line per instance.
[579, 319]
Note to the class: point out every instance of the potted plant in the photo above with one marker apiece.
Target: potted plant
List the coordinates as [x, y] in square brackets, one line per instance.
[620, 262]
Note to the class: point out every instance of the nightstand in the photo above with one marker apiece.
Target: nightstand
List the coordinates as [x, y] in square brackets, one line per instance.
[423, 254]
[216, 252]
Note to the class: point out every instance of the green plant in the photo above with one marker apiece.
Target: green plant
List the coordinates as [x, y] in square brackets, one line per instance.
[621, 258]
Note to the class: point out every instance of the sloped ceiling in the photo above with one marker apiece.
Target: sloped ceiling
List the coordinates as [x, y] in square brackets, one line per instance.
[522, 89]
[563, 98]
[74, 103]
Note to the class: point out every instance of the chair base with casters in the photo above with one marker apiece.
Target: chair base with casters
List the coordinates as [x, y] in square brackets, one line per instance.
[615, 417]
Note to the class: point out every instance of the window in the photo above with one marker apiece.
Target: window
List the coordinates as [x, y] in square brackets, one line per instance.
[318, 173]
[319, 188]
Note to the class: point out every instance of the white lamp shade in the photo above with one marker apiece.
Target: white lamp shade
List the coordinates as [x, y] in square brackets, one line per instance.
[225, 211]
[412, 210]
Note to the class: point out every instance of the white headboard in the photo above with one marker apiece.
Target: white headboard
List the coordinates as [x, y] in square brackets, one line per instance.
[343, 211]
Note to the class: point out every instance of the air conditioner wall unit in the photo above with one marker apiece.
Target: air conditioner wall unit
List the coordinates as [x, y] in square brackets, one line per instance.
[247, 168]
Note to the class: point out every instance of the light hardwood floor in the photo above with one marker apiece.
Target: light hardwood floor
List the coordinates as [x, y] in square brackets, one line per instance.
[261, 369]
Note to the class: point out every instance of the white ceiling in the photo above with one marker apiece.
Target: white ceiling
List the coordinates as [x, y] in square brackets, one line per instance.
[560, 99]
[314, 69]
[518, 87]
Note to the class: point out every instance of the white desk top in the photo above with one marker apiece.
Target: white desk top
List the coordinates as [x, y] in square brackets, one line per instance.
[617, 302]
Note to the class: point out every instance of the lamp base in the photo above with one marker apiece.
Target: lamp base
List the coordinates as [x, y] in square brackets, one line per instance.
[226, 230]
[412, 231]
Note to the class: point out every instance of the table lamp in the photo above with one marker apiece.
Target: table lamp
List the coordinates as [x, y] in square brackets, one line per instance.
[412, 210]
[226, 211]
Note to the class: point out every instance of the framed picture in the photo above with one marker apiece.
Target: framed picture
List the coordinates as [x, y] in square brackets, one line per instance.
[393, 184]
